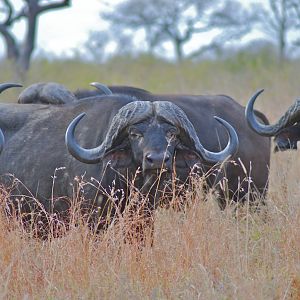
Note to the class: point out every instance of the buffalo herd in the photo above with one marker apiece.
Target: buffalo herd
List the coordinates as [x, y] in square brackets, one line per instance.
[103, 144]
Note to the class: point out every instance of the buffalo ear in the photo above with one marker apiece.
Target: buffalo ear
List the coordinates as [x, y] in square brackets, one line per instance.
[186, 158]
[119, 158]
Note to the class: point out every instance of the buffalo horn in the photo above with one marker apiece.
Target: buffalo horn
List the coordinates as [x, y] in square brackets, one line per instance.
[137, 111]
[291, 116]
[176, 115]
[101, 87]
[131, 113]
[4, 86]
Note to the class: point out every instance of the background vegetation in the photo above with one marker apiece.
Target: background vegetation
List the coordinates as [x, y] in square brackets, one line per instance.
[202, 253]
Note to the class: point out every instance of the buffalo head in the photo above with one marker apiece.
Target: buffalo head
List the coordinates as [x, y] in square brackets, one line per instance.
[146, 135]
[287, 138]
[56, 94]
[286, 130]
[46, 93]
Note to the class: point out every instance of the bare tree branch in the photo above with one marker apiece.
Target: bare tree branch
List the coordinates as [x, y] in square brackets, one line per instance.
[296, 7]
[278, 22]
[21, 53]
[52, 6]
[162, 20]
[21, 14]
[11, 45]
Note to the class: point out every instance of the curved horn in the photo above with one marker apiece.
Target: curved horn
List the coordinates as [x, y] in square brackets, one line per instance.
[101, 87]
[82, 154]
[291, 116]
[131, 113]
[2, 140]
[4, 86]
[174, 114]
[231, 147]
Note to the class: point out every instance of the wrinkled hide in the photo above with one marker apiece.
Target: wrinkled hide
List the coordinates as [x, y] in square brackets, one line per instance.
[47, 170]
[212, 105]
[51, 93]
[200, 111]
[46, 93]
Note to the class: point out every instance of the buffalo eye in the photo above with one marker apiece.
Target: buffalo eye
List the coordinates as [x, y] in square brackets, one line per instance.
[135, 134]
[172, 134]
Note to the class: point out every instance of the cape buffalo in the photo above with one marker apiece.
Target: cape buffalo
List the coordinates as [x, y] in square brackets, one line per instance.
[197, 108]
[130, 141]
[286, 130]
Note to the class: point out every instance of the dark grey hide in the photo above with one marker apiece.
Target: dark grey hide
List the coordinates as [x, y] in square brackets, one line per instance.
[287, 138]
[253, 155]
[200, 111]
[150, 135]
[46, 93]
[35, 149]
[127, 90]
[57, 94]
[35, 153]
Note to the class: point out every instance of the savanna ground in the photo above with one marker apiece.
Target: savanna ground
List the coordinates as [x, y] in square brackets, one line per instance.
[202, 253]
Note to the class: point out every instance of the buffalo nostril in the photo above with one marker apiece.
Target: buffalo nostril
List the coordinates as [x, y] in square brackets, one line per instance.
[149, 157]
[157, 158]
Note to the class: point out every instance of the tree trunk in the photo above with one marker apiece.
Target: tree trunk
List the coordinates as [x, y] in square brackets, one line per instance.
[282, 32]
[12, 52]
[29, 40]
[178, 49]
[282, 46]
[21, 54]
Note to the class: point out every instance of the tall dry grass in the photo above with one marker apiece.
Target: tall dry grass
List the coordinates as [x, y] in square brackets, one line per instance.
[199, 253]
